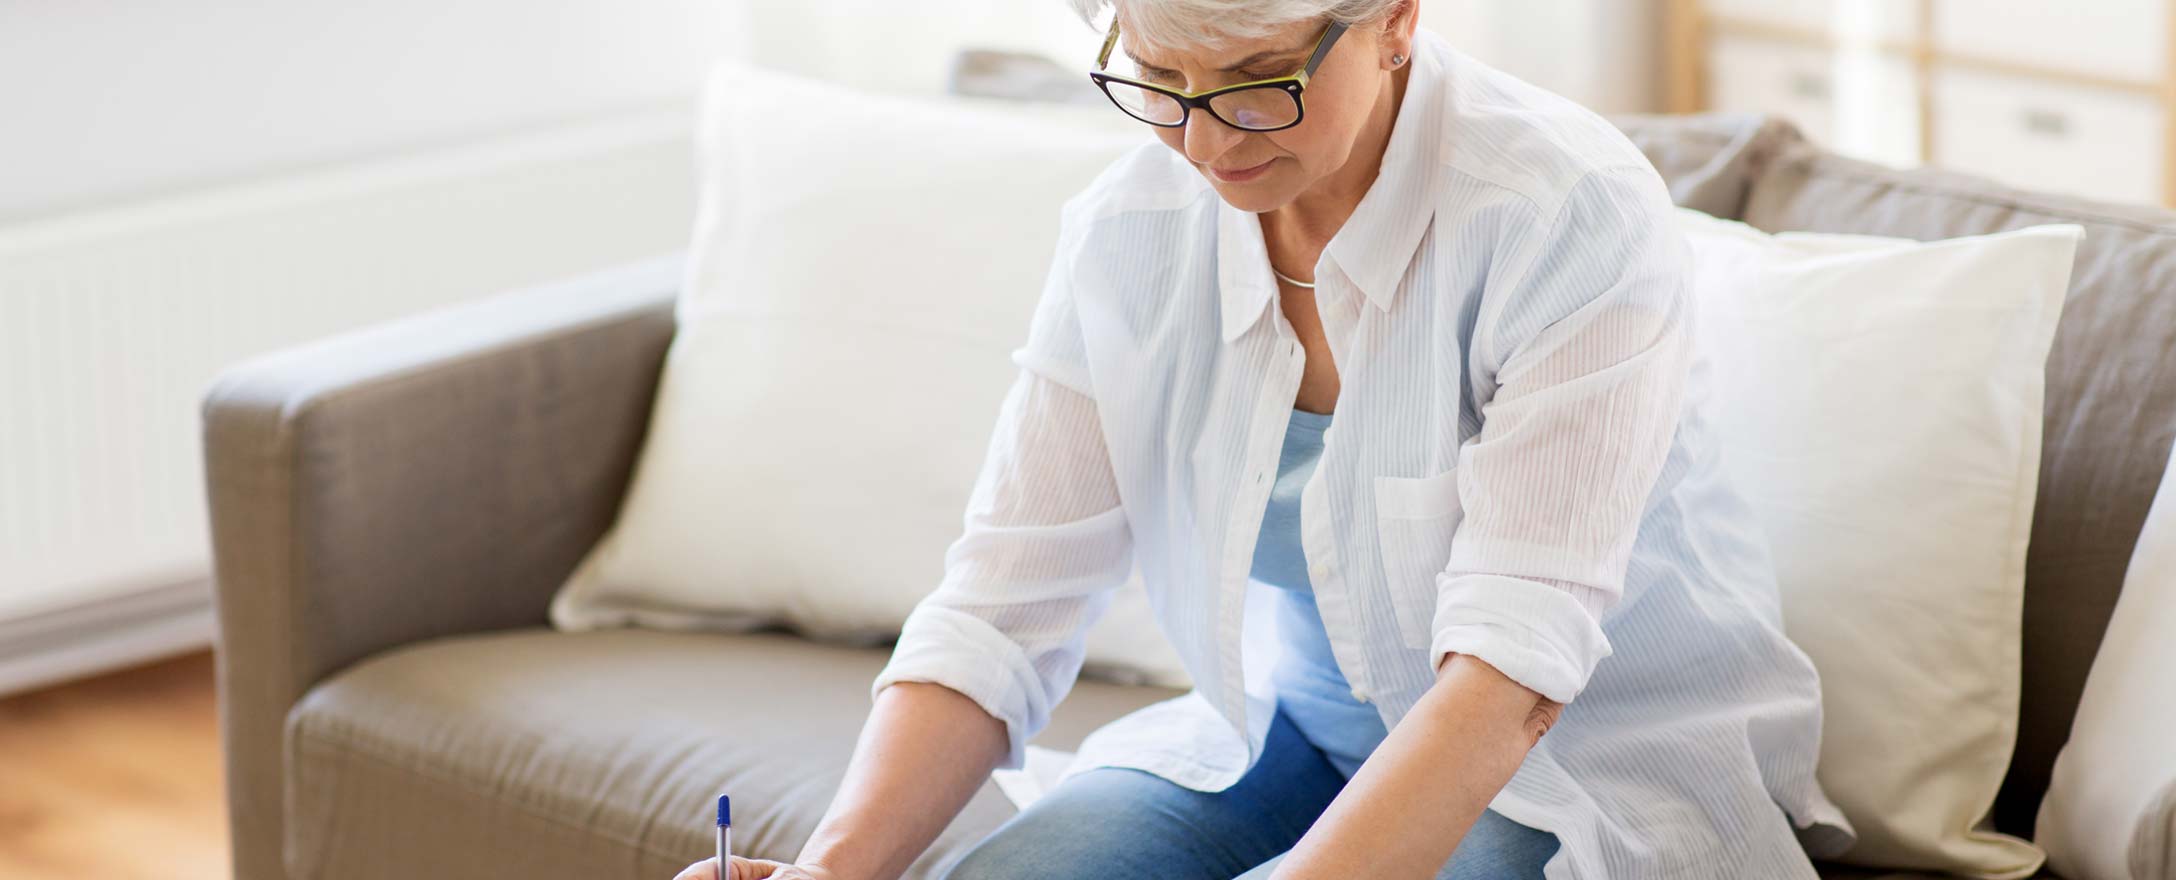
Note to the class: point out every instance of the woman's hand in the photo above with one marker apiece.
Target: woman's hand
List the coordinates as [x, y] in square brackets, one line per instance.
[752, 869]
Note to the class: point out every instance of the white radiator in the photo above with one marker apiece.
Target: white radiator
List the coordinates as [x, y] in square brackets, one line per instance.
[113, 322]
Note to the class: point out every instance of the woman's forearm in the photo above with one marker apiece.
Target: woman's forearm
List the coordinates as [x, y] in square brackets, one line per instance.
[1405, 810]
[922, 755]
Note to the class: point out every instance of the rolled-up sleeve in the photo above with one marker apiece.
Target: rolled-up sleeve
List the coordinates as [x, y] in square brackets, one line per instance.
[1583, 359]
[1045, 541]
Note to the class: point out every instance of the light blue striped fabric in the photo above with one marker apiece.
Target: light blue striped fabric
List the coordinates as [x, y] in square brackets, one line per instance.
[1522, 469]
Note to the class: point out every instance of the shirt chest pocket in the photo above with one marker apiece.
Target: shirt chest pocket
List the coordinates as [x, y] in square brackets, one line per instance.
[1415, 518]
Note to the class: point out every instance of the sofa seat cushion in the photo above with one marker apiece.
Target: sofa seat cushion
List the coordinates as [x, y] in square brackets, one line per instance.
[597, 756]
[537, 754]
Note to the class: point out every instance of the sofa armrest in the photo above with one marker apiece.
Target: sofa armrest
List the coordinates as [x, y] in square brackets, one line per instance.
[432, 475]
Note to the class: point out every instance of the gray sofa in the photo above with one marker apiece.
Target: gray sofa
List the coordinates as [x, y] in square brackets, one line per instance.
[393, 508]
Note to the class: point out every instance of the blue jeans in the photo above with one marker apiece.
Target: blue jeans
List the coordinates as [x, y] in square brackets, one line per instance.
[1121, 822]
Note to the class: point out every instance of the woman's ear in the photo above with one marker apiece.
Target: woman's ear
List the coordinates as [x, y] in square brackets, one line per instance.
[1397, 35]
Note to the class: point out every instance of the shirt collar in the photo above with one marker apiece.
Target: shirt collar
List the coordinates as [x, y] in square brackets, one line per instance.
[1375, 245]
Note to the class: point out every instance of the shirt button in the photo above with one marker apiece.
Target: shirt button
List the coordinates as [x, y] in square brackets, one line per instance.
[1320, 569]
[1360, 695]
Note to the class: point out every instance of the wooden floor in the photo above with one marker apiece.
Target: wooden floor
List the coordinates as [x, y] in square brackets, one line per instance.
[115, 777]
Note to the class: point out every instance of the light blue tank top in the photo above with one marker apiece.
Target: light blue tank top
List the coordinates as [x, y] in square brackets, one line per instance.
[1310, 688]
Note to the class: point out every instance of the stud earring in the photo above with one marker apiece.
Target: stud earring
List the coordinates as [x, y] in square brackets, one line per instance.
[1396, 60]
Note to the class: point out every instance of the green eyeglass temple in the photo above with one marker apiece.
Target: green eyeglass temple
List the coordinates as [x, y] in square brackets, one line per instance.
[1291, 86]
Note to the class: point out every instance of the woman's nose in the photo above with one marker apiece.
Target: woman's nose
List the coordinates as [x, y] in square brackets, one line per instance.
[1207, 137]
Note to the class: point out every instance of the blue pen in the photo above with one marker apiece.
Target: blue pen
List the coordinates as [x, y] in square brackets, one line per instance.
[725, 838]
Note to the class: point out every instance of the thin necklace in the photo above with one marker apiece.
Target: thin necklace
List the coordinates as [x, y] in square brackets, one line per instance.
[1290, 280]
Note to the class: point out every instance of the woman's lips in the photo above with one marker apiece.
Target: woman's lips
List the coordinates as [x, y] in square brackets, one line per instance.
[1242, 175]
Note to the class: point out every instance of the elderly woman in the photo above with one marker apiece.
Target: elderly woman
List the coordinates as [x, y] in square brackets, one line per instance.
[1527, 628]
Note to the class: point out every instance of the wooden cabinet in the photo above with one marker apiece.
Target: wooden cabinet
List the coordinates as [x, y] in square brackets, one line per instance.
[2102, 143]
[2077, 96]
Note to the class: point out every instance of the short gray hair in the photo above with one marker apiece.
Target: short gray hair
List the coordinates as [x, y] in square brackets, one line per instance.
[1213, 22]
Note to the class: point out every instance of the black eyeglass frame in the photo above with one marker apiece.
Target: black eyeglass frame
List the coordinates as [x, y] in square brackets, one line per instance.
[1292, 85]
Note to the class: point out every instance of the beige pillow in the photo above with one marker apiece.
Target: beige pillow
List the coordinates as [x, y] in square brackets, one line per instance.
[1879, 402]
[863, 266]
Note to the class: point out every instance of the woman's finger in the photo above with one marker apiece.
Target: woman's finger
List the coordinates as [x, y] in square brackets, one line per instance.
[706, 869]
[755, 869]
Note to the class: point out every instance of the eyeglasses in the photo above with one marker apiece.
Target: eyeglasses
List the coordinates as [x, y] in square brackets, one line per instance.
[1256, 105]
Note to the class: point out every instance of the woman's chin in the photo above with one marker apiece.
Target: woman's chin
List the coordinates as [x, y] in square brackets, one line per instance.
[1255, 196]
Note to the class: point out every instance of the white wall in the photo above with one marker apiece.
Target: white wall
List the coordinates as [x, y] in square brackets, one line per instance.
[109, 100]
[1602, 53]
[183, 185]
[888, 45]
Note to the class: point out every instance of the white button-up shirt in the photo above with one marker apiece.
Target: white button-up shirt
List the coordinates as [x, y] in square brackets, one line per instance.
[1520, 470]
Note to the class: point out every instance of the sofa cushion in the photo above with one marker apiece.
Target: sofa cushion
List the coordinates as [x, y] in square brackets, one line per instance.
[857, 398]
[543, 755]
[2110, 406]
[1709, 160]
[2110, 812]
[1878, 402]
[596, 756]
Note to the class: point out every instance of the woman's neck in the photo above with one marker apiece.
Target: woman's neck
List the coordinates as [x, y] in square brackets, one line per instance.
[1296, 233]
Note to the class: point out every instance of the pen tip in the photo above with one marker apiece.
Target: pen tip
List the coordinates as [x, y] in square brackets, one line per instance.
[725, 810]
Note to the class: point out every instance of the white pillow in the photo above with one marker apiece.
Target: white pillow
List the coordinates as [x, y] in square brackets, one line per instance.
[2110, 813]
[1879, 403]
[862, 267]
